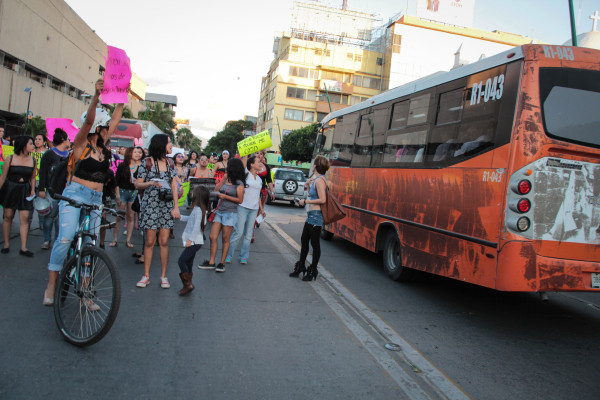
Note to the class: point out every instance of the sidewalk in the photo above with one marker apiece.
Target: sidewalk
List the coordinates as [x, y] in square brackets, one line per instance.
[249, 333]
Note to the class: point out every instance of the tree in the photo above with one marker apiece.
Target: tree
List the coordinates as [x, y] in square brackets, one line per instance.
[184, 138]
[127, 113]
[33, 126]
[228, 138]
[298, 145]
[161, 117]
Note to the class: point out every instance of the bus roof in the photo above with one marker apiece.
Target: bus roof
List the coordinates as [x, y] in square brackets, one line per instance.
[432, 80]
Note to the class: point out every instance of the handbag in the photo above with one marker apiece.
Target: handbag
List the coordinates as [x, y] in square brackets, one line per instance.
[332, 210]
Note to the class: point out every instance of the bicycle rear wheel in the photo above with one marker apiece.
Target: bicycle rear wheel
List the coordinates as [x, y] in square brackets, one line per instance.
[85, 307]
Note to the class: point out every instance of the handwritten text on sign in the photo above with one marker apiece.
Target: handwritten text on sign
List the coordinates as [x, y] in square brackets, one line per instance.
[254, 143]
[63, 123]
[116, 77]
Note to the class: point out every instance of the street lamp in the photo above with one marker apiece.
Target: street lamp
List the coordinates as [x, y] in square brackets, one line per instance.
[27, 90]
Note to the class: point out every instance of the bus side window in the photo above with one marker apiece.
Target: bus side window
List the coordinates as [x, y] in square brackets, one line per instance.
[343, 140]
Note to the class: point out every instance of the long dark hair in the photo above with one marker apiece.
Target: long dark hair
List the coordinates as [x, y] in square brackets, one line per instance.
[188, 161]
[20, 142]
[235, 171]
[200, 198]
[158, 146]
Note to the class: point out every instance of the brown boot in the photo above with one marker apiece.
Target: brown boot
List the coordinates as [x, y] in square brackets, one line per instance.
[186, 279]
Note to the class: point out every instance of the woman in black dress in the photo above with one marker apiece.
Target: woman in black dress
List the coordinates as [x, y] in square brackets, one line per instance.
[17, 182]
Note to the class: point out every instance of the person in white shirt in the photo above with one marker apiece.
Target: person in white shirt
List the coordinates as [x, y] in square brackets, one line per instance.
[247, 211]
[192, 237]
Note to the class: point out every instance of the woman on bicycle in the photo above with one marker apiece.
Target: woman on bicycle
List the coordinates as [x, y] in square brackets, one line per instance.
[86, 182]
[158, 211]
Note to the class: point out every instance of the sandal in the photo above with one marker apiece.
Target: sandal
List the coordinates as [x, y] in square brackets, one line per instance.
[138, 261]
[114, 244]
[128, 244]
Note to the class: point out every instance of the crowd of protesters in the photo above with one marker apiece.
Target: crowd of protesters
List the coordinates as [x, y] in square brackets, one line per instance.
[146, 184]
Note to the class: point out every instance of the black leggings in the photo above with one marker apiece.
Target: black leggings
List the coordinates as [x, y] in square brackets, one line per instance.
[311, 233]
[186, 259]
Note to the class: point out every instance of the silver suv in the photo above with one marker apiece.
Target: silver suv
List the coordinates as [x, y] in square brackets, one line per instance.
[289, 184]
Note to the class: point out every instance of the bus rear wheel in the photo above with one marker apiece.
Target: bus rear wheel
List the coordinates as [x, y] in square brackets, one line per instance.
[392, 260]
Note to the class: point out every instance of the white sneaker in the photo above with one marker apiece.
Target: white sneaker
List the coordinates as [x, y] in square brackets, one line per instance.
[45, 246]
[145, 281]
[164, 283]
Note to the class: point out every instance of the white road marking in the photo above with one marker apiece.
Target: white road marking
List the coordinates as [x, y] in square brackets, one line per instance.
[434, 380]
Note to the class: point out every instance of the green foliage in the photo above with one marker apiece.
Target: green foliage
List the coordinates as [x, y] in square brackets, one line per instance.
[33, 126]
[184, 138]
[127, 113]
[298, 145]
[161, 117]
[228, 138]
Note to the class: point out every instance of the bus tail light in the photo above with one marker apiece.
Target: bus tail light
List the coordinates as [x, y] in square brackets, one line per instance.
[521, 224]
[524, 186]
[521, 187]
[520, 206]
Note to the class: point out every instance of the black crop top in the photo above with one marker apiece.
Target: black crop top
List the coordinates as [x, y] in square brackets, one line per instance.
[93, 170]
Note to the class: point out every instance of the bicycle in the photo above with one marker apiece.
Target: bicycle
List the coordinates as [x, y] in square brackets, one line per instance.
[88, 291]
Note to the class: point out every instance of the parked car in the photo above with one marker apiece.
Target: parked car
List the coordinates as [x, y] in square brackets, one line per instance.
[289, 184]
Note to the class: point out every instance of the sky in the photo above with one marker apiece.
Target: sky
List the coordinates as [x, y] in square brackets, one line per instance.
[212, 55]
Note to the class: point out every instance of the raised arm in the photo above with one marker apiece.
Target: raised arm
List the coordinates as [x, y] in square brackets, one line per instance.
[80, 140]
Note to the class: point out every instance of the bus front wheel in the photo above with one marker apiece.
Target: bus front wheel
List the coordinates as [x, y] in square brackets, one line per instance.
[392, 260]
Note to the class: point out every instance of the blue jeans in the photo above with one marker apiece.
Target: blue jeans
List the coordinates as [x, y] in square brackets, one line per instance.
[51, 220]
[245, 224]
[70, 219]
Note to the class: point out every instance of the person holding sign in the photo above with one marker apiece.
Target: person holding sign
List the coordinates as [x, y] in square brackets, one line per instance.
[92, 163]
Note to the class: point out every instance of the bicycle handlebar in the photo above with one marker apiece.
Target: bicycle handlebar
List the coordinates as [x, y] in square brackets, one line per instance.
[79, 204]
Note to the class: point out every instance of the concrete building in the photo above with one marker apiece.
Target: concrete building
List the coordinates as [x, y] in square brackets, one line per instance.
[346, 57]
[323, 63]
[46, 46]
[415, 47]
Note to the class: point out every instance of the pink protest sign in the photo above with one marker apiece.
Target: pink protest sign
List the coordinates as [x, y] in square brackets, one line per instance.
[116, 76]
[63, 123]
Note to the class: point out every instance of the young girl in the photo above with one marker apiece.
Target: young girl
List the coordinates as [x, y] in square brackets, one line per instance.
[192, 237]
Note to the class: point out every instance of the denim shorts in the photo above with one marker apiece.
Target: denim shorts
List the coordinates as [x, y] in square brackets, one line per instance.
[226, 219]
[315, 218]
[127, 196]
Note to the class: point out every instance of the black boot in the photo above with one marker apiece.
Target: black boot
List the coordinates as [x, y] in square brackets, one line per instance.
[299, 267]
[311, 273]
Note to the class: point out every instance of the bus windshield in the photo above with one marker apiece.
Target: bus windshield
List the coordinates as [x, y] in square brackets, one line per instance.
[570, 102]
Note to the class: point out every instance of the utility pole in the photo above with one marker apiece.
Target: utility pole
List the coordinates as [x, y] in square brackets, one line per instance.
[27, 90]
[573, 29]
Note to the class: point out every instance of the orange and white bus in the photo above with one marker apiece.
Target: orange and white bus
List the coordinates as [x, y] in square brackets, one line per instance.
[488, 174]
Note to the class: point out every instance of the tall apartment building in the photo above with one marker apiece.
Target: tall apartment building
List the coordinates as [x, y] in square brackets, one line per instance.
[46, 46]
[323, 63]
[348, 56]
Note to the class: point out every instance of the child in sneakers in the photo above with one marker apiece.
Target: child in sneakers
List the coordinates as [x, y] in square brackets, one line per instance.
[193, 237]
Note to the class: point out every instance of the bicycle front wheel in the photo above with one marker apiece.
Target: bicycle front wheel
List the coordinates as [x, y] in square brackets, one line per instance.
[86, 305]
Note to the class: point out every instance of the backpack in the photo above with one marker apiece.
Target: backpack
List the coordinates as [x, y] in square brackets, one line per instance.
[61, 172]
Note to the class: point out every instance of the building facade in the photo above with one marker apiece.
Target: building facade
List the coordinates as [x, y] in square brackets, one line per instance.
[333, 58]
[323, 64]
[46, 46]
